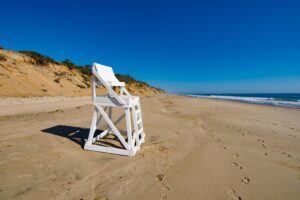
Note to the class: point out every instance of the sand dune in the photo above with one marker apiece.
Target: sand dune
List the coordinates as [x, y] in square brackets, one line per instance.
[21, 76]
[195, 149]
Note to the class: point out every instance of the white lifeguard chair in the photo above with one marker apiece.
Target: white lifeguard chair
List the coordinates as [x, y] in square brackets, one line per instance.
[134, 136]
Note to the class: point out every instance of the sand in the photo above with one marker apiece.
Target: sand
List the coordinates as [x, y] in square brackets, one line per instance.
[195, 149]
[19, 77]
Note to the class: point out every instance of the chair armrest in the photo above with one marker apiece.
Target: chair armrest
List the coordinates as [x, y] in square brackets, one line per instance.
[119, 84]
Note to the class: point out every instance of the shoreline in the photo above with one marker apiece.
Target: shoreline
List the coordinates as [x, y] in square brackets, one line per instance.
[284, 104]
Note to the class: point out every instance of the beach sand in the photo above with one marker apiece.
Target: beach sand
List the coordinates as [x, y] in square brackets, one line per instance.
[195, 149]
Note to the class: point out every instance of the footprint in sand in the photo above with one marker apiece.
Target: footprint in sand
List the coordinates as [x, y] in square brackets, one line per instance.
[260, 140]
[274, 132]
[8, 145]
[160, 177]
[237, 165]
[236, 155]
[292, 136]
[289, 155]
[233, 194]
[245, 180]
[53, 179]
[224, 147]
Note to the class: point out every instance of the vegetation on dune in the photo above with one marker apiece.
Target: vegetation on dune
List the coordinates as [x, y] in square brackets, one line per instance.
[130, 80]
[83, 69]
[86, 70]
[81, 86]
[2, 58]
[69, 64]
[126, 78]
[39, 59]
[160, 90]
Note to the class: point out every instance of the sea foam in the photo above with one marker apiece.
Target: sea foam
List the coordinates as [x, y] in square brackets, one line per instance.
[257, 100]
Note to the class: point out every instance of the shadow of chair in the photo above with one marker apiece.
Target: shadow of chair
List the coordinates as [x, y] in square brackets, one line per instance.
[75, 134]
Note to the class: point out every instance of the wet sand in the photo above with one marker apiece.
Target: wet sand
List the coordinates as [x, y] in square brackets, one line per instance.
[195, 149]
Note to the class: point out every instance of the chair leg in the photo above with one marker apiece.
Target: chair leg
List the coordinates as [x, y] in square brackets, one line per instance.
[93, 127]
[128, 125]
[110, 117]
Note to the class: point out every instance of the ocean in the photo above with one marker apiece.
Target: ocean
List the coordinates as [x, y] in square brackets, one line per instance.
[283, 100]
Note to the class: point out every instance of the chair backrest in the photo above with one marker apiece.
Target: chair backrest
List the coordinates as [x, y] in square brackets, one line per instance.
[106, 73]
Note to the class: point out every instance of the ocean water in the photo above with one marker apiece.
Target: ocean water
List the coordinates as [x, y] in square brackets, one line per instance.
[283, 100]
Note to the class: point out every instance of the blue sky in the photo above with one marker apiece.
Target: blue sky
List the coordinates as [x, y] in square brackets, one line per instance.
[181, 46]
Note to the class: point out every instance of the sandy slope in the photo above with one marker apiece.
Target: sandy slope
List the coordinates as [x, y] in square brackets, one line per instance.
[20, 78]
[195, 149]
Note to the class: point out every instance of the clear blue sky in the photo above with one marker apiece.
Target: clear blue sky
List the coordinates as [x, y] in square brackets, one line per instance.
[181, 46]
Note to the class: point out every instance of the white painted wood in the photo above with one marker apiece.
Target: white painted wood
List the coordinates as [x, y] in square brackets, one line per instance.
[139, 121]
[108, 75]
[142, 133]
[108, 101]
[135, 125]
[110, 116]
[103, 75]
[108, 87]
[110, 150]
[101, 135]
[113, 128]
[128, 124]
[125, 91]
[94, 94]
[93, 126]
